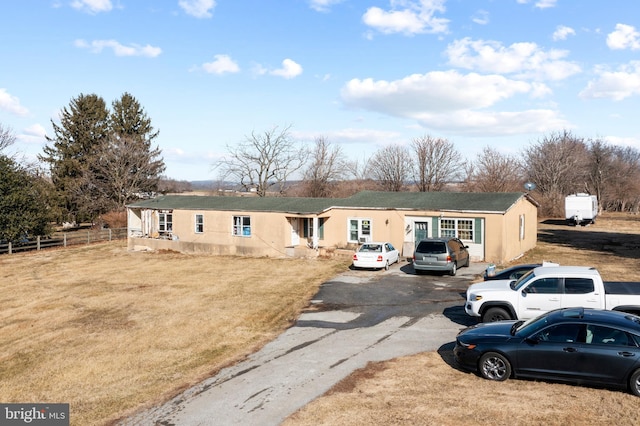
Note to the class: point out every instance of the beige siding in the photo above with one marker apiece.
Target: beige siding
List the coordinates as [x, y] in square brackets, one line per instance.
[271, 232]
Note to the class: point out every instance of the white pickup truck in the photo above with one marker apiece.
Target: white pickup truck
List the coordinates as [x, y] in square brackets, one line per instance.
[546, 288]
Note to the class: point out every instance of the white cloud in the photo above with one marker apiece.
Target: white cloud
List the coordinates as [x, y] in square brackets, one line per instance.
[198, 8]
[92, 6]
[452, 101]
[545, 4]
[96, 46]
[525, 60]
[624, 37]
[616, 85]
[11, 104]
[435, 91]
[290, 69]
[222, 64]
[490, 123]
[323, 5]
[621, 141]
[408, 17]
[33, 134]
[562, 32]
[481, 17]
[541, 4]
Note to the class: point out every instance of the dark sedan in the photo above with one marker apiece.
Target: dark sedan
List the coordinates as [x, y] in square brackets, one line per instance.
[576, 345]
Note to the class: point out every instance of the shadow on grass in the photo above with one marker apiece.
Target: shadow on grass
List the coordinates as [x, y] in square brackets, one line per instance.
[582, 238]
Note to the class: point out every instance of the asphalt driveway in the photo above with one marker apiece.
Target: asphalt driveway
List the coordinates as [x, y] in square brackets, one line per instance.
[357, 317]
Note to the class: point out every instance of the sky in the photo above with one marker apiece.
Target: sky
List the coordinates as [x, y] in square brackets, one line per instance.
[363, 74]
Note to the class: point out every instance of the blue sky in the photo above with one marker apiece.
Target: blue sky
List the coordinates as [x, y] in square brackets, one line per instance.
[362, 73]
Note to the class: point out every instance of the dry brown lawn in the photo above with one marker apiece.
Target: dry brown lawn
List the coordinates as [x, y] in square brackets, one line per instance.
[108, 330]
[427, 389]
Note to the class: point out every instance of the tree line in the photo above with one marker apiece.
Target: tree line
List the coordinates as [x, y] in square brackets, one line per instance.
[96, 162]
[99, 159]
[559, 164]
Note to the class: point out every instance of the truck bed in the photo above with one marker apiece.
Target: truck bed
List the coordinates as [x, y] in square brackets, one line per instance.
[622, 287]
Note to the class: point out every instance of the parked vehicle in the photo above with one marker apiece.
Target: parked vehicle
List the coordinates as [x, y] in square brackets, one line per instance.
[547, 288]
[440, 255]
[581, 209]
[375, 255]
[576, 345]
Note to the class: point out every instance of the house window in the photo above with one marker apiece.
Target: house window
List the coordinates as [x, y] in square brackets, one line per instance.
[457, 228]
[199, 224]
[359, 230]
[165, 222]
[308, 228]
[242, 226]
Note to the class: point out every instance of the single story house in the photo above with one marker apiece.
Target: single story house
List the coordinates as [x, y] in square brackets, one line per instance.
[497, 227]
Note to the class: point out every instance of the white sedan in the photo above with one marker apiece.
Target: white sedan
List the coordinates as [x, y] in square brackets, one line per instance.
[375, 255]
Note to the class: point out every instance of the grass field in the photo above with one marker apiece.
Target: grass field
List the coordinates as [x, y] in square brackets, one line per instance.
[111, 331]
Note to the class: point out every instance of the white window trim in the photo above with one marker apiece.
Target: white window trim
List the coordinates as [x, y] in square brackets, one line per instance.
[360, 233]
[241, 226]
[201, 223]
[456, 228]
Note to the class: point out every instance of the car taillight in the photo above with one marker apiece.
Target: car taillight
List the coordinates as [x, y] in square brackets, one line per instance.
[379, 258]
[355, 257]
[448, 259]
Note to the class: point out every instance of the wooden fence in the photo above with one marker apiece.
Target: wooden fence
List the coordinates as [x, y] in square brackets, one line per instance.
[65, 239]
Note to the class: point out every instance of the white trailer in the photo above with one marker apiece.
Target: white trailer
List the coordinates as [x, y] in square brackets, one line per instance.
[581, 209]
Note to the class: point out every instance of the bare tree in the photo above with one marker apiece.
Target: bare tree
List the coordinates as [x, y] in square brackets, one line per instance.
[127, 169]
[437, 162]
[7, 138]
[557, 164]
[263, 160]
[391, 166]
[623, 189]
[327, 166]
[494, 172]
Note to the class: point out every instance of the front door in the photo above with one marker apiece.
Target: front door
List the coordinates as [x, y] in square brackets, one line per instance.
[295, 235]
[420, 231]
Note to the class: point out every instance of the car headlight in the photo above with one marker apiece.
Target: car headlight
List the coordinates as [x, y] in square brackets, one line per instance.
[474, 297]
[469, 346]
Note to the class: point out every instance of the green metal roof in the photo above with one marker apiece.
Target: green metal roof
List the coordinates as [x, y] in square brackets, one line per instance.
[446, 201]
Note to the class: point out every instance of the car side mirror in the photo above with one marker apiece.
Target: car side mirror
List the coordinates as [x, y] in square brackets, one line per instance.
[524, 293]
[532, 340]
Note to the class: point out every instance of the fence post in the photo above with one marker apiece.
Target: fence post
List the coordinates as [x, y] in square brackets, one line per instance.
[109, 234]
[88, 237]
[10, 248]
[65, 239]
[38, 243]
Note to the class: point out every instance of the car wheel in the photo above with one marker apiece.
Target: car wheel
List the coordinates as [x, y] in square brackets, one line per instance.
[495, 314]
[454, 269]
[634, 383]
[494, 366]
[386, 266]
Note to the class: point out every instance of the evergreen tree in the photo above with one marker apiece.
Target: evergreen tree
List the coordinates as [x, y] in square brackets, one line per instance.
[130, 165]
[78, 140]
[101, 160]
[24, 207]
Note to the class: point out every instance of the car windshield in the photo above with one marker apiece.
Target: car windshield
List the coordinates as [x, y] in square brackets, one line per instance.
[529, 327]
[371, 247]
[517, 285]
